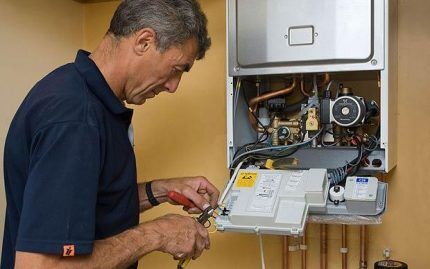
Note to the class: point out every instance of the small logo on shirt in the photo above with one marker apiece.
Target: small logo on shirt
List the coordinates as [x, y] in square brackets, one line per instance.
[69, 250]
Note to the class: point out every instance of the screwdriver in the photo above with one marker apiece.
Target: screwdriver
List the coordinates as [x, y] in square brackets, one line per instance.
[202, 219]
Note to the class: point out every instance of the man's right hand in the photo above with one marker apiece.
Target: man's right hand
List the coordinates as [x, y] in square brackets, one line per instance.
[175, 234]
[180, 236]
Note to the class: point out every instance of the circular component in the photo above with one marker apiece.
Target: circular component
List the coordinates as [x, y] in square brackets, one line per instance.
[345, 110]
[348, 111]
[283, 133]
[390, 264]
[337, 194]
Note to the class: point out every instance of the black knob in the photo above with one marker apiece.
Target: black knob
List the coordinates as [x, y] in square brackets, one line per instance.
[283, 134]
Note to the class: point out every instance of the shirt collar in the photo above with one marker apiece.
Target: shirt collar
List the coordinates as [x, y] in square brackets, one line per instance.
[98, 85]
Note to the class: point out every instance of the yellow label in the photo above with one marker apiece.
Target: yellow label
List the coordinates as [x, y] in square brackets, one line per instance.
[246, 180]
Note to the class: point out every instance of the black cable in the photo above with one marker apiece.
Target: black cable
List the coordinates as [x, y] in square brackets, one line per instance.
[364, 153]
[242, 147]
[265, 133]
[276, 155]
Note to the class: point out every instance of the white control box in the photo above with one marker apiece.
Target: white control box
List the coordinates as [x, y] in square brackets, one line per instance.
[273, 201]
[361, 194]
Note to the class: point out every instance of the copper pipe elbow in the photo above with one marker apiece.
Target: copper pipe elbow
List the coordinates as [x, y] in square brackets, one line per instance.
[253, 104]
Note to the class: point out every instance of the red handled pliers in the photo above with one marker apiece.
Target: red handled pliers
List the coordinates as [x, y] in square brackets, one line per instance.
[202, 219]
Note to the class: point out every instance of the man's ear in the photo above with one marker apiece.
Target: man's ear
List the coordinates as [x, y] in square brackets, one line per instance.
[144, 39]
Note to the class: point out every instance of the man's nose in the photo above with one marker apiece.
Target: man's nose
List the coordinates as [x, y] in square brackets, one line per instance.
[172, 84]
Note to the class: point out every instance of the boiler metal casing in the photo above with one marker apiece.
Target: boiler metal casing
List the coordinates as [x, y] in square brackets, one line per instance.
[281, 37]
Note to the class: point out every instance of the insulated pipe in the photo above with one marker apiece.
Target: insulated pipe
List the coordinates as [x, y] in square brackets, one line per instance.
[253, 104]
[303, 248]
[285, 252]
[344, 247]
[323, 246]
[363, 247]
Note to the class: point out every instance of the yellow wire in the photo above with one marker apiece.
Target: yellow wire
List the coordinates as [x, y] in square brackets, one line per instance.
[215, 230]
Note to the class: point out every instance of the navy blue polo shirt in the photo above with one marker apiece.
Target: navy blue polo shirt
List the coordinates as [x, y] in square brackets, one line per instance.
[69, 167]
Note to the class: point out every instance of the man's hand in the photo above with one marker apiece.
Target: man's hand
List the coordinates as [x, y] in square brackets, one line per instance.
[179, 236]
[197, 189]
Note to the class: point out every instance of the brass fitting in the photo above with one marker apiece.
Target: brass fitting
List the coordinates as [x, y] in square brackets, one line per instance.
[312, 123]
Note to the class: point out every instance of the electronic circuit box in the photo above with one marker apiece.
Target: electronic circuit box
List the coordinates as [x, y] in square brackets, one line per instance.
[361, 194]
[273, 201]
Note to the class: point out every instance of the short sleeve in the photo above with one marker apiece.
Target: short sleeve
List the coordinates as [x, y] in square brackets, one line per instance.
[60, 195]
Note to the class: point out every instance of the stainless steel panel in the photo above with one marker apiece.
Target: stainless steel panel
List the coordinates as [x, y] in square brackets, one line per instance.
[343, 30]
[347, 35]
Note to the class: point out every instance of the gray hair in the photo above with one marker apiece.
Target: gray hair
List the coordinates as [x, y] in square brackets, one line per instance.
[174, 22]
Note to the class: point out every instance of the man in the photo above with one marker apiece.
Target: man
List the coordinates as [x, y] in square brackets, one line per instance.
[70, 174]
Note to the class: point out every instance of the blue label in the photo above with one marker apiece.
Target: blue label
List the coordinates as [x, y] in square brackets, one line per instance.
[362, 180]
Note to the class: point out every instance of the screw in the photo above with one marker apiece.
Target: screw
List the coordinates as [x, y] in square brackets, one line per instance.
[316, 34]
[286, 36]
[374, 62]
[236, 68]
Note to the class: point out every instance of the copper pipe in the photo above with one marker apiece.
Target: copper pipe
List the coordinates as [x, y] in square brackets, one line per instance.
[285, 252]
[323, 83]
[344, 247]
[363, 247]
[303, 249]
[253, 104]
[323, 246]
[302, 87]
[326, 79]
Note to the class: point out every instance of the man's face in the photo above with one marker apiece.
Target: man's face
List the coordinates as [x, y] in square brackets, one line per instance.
[155, 72]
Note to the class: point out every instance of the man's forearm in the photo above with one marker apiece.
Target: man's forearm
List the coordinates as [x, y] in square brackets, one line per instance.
[196, 189]
[119, 251]
[157, 189]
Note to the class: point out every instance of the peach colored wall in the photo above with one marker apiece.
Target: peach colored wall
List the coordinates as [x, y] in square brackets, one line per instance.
[36, 37]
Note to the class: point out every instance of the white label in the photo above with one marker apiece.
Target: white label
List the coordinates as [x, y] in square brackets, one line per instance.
[294, 180]
[265, 194]
[298, 173]
[361, 188]
[232, 201]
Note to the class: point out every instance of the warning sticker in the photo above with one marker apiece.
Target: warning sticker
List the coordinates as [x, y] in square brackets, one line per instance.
[246, 180]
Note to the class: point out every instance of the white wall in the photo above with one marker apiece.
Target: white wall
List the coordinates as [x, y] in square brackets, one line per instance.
[35, 37]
